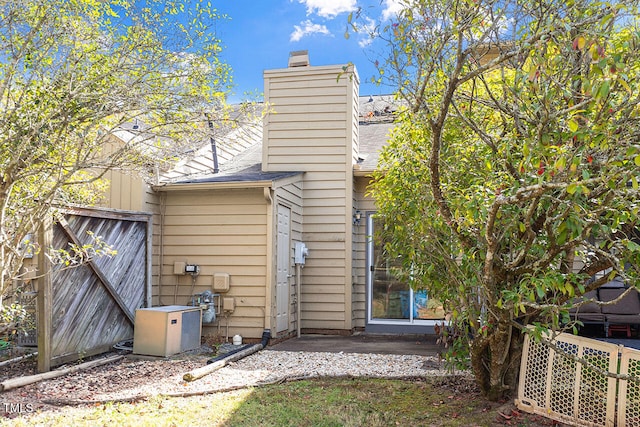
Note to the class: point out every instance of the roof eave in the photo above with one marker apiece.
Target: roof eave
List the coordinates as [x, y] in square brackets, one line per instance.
[221, 185]
[363, 172]
[213, 185]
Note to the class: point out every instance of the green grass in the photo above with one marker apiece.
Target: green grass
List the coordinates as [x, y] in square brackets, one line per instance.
[313, 403]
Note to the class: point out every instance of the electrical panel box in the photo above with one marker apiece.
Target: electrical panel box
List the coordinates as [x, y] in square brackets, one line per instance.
[178, 268]
[192, 269]
[220, 282]
[301, 252]
[228, 304]
[168, 330]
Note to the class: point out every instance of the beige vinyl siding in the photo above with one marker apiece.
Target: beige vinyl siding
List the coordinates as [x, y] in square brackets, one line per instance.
[355, 298]
[311, 128]
[222, 231]
[319, 151]
[154, 206]
[126, 191]
[366, 205]
[310, 111]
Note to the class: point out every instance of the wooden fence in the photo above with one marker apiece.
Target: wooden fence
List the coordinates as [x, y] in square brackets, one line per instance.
[85, 310]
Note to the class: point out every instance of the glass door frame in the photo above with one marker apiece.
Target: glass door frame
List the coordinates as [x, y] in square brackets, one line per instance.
[369, 259]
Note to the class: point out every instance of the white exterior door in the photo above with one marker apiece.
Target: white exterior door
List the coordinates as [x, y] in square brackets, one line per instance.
[283, 262]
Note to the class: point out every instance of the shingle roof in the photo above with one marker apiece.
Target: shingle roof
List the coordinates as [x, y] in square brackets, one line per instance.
[245, 167]
[373, 136]
[377, 115]
[241, 135]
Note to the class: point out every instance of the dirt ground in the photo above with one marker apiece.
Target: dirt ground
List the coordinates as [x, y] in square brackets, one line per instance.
[130, 380]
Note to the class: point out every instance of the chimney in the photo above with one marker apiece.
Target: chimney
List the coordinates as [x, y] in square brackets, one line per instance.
[299, 58]
[313, 117]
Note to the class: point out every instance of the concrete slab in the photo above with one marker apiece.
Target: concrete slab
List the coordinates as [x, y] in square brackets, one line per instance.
[424, 345]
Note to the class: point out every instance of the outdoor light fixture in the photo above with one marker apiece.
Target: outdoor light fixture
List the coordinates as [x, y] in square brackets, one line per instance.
[357, 216]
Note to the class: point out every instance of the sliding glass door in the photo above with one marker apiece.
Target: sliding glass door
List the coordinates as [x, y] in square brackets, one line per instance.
[390, 300]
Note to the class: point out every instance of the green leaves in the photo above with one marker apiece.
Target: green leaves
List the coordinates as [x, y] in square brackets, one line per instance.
[573, 125]
[524, 154]
[73, 74]
[576, 188]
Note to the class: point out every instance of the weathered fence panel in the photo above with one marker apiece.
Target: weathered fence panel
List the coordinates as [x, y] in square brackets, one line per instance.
[86, 309]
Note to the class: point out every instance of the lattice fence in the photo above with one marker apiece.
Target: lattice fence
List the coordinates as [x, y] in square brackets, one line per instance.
[629, 394]
[554, 384]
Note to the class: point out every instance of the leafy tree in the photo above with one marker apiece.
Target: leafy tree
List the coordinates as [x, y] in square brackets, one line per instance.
[511, 184]
[74, 74]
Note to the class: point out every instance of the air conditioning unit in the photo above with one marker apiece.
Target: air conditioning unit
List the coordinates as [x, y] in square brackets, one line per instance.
[168, 330]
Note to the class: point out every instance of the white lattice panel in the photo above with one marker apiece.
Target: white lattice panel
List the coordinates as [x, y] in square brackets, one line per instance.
[555, 385]
[629, 393]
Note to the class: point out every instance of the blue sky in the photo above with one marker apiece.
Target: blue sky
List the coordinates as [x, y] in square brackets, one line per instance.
[259, 35]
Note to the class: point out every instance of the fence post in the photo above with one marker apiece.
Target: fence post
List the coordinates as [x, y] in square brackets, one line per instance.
[45, 238]
[149, 265]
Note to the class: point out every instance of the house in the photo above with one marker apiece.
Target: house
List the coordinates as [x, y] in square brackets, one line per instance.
[297, 179]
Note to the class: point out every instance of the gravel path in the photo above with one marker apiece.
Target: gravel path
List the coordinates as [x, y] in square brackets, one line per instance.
[131, 378]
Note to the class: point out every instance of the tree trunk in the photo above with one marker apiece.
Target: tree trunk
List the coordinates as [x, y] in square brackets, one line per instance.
[495, 360]
[30, 379]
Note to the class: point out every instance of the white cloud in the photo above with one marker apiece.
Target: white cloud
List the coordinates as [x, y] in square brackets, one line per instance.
[306, 28]
[367, 32]
[328, 8]
[365, 42]
[391, 9]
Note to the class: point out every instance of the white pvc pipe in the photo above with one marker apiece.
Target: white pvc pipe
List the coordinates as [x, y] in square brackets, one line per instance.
[298, 297]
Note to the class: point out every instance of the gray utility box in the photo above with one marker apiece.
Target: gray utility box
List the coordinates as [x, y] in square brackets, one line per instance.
[164, 331]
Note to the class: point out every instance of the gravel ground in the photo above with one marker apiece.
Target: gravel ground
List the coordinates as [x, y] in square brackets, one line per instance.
[131, 378]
